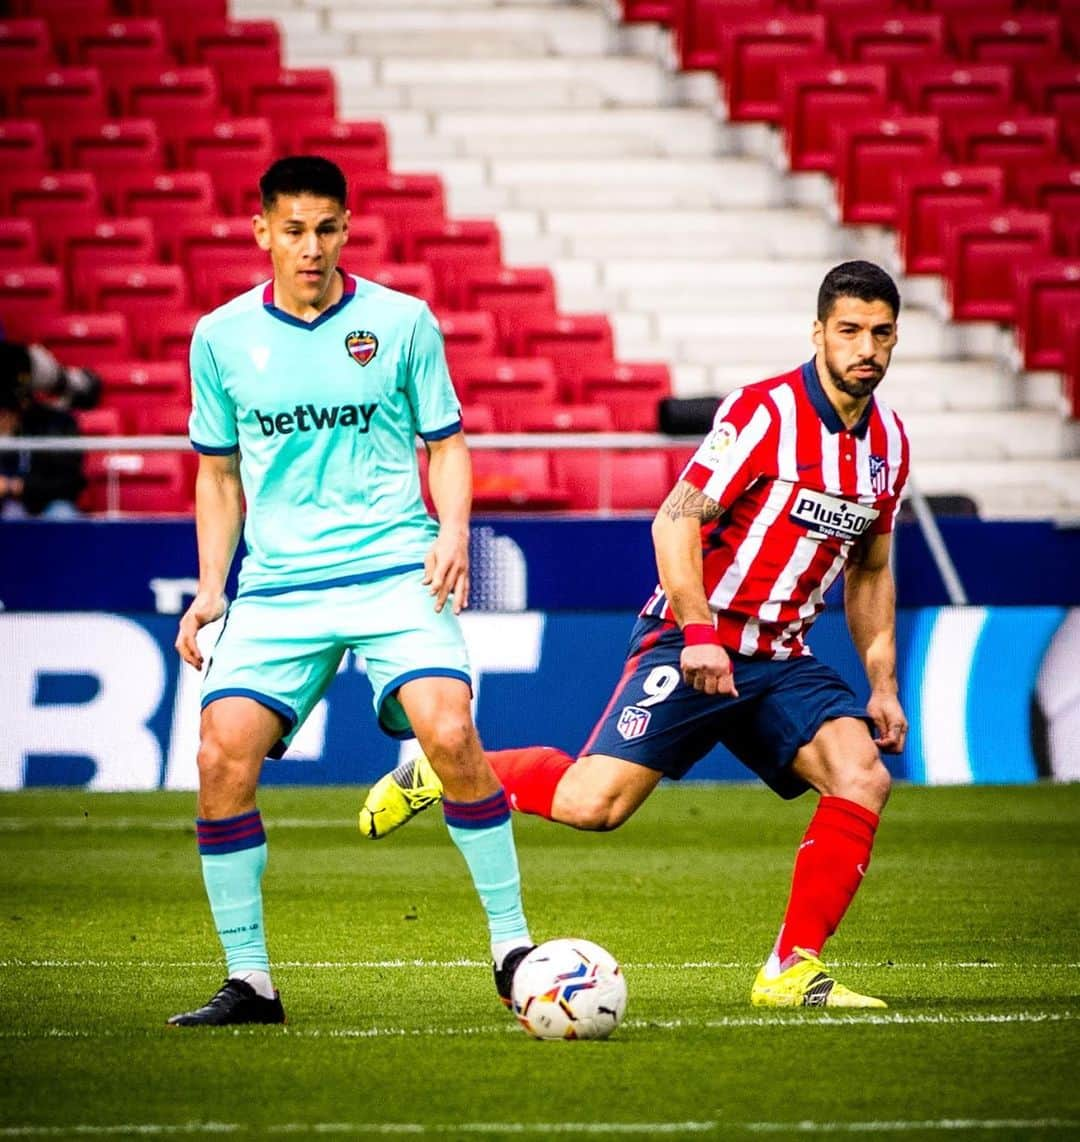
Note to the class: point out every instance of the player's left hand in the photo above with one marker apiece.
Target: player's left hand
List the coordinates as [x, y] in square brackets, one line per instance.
[446, 570]
[892, 725]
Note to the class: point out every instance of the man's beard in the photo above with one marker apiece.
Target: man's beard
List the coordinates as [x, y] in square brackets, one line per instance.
[857, 387]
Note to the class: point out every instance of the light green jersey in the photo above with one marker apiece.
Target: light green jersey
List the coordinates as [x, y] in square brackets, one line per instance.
[325, 416]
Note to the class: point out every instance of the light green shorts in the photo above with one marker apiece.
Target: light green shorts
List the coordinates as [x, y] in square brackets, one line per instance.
[284, 649]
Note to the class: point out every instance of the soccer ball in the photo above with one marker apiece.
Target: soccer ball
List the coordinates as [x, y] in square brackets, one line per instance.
[569, 989]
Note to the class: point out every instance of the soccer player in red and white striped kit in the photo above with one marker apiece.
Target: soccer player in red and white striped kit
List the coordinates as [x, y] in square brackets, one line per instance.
[799, 479]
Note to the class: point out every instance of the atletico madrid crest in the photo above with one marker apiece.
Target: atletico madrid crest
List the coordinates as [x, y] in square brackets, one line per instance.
[879, 475]
[362, 345]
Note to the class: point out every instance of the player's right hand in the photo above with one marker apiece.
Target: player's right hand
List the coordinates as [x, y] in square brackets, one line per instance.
[707, 668]
[204, 609]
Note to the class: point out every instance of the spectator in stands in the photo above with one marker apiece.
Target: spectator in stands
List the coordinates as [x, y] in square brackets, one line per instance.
[37, 483]
[799, 479]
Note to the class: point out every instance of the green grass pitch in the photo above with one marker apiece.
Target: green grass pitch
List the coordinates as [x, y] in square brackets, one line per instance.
[968, 925]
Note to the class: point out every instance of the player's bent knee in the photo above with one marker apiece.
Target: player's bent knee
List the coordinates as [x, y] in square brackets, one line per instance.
[595, 812]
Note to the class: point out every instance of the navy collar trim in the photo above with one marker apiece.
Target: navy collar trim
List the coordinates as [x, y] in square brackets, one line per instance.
[349, 284]
[823, 407]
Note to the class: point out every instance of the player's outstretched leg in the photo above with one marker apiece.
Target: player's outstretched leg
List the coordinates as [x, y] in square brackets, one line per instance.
[398, 796]
[529, 775]
[807, 983]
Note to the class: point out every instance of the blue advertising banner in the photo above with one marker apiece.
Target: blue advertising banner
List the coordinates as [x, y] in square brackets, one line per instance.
[545, 563]
[101, 699]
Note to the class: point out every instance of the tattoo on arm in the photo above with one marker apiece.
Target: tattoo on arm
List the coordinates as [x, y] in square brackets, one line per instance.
[687, 502]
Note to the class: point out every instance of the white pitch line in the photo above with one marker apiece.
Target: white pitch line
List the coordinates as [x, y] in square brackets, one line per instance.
[645, 965]
[781, 1018]
[546, 1129]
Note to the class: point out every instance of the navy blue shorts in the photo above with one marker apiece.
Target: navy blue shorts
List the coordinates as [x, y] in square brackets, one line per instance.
[656, 720]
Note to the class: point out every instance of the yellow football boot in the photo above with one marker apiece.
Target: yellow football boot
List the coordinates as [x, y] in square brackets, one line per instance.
[398, 796]
[807, 983]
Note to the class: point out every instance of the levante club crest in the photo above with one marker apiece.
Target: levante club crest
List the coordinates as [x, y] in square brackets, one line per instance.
[362, 345]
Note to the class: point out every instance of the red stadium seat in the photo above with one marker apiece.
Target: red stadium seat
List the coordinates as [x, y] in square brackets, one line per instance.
[22, 145]
[213, 250]
[132, 385]
[181, 100]
[893, 37]
[451, 249]
[513, 296]
[292, 97]
[507, 386]
[142, 292]
[613, 481]
[180, 15]
[103, 242]
[927, 195]
[53, 11]
[162, 418]
[29, 294]
[631, 390]
[468, 335]
[981, 251]
[113, 45]
[1010, 141]
[170, 338]
[698, 26]
[234, 154]
[354, 144]
[137, 482]
[57, 202]
[566, 418]
[1070, 333]
[118, 152]
[403, 201]
[1053, 88]
[199, 240]
[25, 44]
[171, 201]
[946, 87]
[1049, 186]
[1045, 291]
[1007, 37]
[241, 52]
[231, 281]
[60, 94]
[871, 153]
[477, 419]
[86, 339]
[18, 243]
[515, 481]
[100, 422]
[649, 11]
[369, 244]
[575, 344]
[413, 278]
[814, 96]
[758, 52]
[1067, 235]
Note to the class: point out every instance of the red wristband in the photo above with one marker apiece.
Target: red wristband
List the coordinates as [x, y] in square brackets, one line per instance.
[699, 634]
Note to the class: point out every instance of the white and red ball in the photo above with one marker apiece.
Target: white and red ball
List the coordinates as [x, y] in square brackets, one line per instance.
[569, 989]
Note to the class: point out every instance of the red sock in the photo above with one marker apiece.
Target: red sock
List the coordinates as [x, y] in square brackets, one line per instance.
[832, 859]
[530, 776]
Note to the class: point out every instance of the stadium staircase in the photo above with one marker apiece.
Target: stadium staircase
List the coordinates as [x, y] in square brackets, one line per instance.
[605, 203]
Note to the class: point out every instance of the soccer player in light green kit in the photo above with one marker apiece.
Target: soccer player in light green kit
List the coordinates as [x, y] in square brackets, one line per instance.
[307, 397]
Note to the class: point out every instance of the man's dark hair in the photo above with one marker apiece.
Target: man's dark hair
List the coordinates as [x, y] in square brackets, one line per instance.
[863, 280]
[303, 174]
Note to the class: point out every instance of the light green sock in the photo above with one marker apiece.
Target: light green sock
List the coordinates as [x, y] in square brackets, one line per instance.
[489, 852]
[234, 886]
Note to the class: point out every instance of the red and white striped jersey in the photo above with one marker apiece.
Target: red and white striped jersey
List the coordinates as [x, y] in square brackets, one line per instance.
[797, 490]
